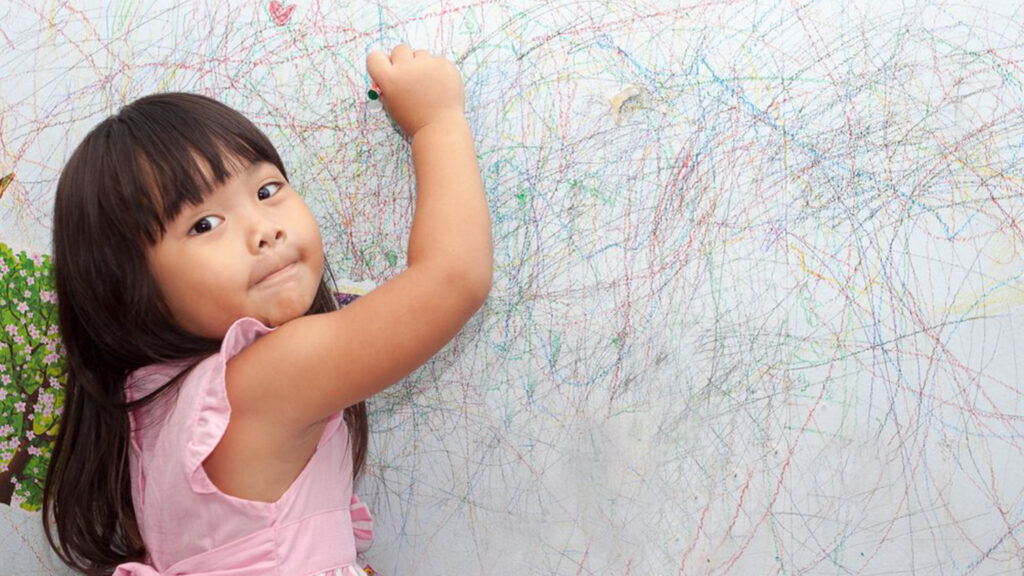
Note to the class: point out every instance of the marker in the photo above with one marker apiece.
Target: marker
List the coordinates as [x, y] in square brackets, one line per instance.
[374, 96]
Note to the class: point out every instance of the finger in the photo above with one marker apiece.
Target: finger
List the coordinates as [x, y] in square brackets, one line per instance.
[401, 52]
[379, 66]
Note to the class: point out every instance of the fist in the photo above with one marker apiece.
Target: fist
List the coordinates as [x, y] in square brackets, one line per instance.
[417, 88]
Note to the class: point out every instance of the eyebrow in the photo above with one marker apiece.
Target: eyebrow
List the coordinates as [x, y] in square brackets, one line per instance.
[257, 166]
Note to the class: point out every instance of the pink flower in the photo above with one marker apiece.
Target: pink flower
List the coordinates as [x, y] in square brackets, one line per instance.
[6, 379]
[22, 307]
[34, 451]
[19, 406]
[31, 280]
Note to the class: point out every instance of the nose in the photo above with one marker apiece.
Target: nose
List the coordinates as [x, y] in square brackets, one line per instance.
[268, 234]
[272, 238]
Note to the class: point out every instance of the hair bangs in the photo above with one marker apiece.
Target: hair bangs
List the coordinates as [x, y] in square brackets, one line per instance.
[180, 158]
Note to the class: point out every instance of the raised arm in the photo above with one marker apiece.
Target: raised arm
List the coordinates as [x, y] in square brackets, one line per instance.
[314, 366]
[424, 95]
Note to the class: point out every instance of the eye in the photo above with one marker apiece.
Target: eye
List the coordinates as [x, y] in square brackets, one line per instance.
[205, 224]
[268, 190]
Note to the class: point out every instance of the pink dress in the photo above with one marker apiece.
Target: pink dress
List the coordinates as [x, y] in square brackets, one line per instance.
[191, 527]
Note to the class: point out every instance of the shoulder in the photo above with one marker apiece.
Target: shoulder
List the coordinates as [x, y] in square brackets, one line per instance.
[239, 336]
[190, 421]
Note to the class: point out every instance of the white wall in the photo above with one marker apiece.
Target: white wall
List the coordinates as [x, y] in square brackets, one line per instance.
[762, 318]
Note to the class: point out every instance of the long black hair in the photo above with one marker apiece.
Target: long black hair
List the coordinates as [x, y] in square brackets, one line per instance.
[129, 177]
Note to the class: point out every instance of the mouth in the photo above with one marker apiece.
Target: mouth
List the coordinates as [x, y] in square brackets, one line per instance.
[275, 274]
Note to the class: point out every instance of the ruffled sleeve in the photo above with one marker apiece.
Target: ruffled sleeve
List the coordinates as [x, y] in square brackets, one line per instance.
[212, 412]
[135, 569]
[362, 524]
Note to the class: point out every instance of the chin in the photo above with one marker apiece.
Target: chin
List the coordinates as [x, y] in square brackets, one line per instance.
[289, 311]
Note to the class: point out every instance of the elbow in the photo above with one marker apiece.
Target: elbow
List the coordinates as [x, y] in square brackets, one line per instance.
[485, 285]
[473, 277]
[484, 278]
[476, 286]
[470, 285]
[462, 281]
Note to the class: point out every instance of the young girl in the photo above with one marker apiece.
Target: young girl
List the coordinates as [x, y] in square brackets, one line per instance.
[214, 418]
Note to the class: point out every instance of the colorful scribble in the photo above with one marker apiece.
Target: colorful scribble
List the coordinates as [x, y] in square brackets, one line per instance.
[758, 288]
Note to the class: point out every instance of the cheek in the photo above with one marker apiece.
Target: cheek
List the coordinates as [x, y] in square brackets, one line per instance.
[196, 287]
[172, 287]
[184, 273]
[162, 271]
[316, 269]
[314, 227]
[313, 241]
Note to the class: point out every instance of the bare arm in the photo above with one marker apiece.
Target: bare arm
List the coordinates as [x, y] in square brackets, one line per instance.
[314, 366]
[451, 223]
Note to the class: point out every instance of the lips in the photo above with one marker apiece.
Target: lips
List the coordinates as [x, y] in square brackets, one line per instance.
[270, 268]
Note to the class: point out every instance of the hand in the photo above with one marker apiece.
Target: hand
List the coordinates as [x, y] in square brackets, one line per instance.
[417, 88]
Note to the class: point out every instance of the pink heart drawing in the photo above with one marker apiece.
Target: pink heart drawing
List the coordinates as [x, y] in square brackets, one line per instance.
[281, 13]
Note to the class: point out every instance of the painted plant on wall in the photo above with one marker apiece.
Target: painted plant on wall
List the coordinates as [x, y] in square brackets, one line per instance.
[31, 376]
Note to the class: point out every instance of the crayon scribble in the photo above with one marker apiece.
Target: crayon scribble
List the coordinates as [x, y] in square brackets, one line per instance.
[761, 316]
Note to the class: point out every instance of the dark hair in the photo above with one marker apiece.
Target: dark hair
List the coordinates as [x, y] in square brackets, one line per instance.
[131, 174]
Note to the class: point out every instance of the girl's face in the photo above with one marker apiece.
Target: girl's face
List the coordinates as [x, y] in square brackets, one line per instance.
[251, 248]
